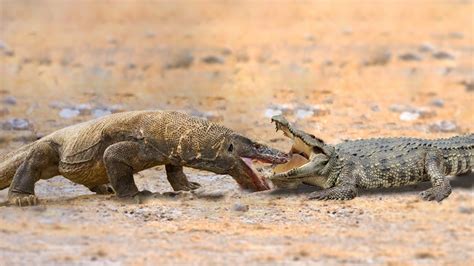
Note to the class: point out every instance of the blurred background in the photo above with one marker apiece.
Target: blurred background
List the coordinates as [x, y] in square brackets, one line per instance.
[338, 69]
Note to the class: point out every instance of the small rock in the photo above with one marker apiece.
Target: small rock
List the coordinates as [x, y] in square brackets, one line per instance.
[379, 57]
[99, 112]
[69, 113]
[226, 51]
[441, 55]
[212, 59]
[16, 124]
[183, 59]
[10, 100]
[426, 48]
[443, 126]
[375, 108]
[466, 210]
[239, 207]
[3, 45]
[437, 102]
[398, 108]
[409, 57]
[409, 116]
[269, 112]
[469, 85]
[307, 111]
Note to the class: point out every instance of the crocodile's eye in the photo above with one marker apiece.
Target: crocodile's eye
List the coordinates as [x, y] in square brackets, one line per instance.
[231, 148]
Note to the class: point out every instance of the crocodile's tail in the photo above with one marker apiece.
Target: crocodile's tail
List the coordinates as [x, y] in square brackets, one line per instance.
[10, 161]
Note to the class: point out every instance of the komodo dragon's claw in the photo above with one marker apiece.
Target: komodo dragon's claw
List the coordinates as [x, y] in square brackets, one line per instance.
[22, 200]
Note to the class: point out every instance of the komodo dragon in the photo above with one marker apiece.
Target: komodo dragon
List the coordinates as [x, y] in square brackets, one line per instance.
[114, 147]
[371, 163]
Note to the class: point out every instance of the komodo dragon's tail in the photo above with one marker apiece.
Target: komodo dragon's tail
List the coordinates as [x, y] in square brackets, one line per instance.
[10, 161]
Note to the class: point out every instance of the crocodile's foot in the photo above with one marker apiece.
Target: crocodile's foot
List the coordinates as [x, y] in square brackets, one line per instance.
[22, 199]
[437, 193]
[105, 189]
[335, 193]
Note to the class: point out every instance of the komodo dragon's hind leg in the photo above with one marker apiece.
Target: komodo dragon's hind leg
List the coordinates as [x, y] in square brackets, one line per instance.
[40, 163]
[178, 179]
[122, 159]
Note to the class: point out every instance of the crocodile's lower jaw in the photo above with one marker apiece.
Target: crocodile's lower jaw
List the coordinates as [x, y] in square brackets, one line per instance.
[296, 160]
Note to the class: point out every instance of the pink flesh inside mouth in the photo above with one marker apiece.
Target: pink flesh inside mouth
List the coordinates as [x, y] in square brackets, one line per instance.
[258, 180]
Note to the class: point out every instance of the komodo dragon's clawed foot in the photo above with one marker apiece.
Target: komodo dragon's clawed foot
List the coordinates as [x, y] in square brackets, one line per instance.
[22, 199]
[194, 185]
[437, 193]
[105, 189]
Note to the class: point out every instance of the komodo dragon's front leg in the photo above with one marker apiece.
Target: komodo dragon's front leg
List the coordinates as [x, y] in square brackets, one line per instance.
[178, 179]
[123, 159]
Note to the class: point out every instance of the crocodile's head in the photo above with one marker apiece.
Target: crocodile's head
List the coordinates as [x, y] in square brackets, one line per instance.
[309, 157]
[237, 154]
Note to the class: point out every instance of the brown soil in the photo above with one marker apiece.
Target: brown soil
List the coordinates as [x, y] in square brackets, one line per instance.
[339, 69]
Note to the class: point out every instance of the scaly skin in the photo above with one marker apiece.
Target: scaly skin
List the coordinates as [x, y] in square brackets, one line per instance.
[113, 148]
[372, 163]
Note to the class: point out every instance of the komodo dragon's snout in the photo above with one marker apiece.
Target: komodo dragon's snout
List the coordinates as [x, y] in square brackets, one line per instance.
[243, 151]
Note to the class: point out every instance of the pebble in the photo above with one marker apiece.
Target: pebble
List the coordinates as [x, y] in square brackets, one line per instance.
[437, 102]
[16, 124]
[466, 210]
[10, 100]
[239, 207]
[409, 116]
[443, 126]
[426, 48]
[441, 55]
[101, 112]
[69, 113]
[469, 85]
[409, 57]
[379, 57]
[183, 59]
[269, 112]
[212, 59]
[375, 108]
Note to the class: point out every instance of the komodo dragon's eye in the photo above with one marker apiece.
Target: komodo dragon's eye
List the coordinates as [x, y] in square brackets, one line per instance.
[231, 148]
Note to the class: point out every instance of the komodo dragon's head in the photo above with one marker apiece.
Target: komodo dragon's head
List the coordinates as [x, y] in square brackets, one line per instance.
[244, 151]
[234, 157]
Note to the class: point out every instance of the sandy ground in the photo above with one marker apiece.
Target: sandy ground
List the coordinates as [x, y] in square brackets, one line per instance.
[338, 69]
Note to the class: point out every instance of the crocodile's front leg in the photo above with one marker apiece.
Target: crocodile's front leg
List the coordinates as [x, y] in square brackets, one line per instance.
[434, 168]
[345, 188]
[178, 180]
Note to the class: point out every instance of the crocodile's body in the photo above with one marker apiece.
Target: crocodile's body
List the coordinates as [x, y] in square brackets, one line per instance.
[372, 163]
[113, 148]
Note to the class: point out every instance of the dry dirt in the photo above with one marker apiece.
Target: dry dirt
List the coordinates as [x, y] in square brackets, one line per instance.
[340, 69]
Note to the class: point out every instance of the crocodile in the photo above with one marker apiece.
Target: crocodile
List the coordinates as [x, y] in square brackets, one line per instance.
[341, 169]
[109, 150]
